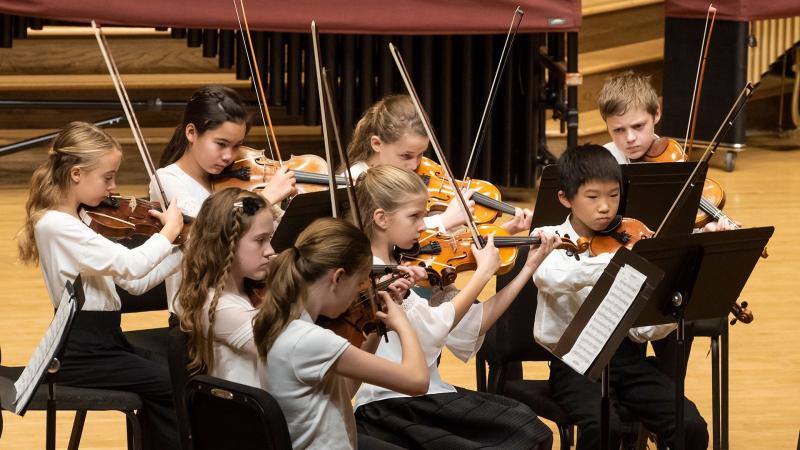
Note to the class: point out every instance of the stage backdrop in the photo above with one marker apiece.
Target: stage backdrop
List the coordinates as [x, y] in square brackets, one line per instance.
[333, 16]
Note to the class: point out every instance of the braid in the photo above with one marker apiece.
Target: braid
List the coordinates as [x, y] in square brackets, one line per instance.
[220, 285]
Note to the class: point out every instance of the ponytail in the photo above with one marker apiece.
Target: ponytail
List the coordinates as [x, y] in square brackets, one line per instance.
[79, 144]
[389, 119]
[207, 109]
[327, 244]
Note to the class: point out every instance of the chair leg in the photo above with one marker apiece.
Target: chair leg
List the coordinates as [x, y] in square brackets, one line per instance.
[724, 391]
[77, 430]
[565, 435]
[715, 392]
[134, 430]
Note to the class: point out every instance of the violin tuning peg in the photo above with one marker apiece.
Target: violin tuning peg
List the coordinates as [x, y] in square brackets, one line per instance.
[744, 304]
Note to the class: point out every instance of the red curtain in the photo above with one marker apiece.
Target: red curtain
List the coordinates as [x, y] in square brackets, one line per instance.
[739, 10]
[332, 16]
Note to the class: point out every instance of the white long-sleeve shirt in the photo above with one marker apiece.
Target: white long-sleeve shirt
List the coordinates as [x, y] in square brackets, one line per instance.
[433, 327]
[68, 247]
[564, 283]
[190, 195]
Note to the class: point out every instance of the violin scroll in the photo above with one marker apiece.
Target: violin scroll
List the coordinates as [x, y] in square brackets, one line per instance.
[741, 313]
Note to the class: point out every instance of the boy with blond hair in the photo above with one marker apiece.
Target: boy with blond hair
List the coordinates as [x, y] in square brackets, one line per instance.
[629, 105]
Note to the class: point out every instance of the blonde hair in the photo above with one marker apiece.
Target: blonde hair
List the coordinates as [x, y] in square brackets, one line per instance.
[79, 144]
[390, 118]
[327, 244]
[627, 90]
[207, 261]
[387, 188]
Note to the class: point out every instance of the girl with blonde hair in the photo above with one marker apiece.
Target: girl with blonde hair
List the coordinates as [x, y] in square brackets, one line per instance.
[391, 133]
[392, 204]
[80, 170]
[312, 372]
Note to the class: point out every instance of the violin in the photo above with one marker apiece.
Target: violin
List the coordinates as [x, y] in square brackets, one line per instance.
[119, 218]
[359, 320]
[445, 255]
[252, 171]
[713, 197]
[488, 206]
[621, 232]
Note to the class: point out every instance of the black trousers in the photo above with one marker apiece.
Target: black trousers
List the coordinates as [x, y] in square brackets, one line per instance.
[97, 355]
[637, 387]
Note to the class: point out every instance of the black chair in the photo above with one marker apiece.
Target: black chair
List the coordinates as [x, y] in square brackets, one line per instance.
[226, 415]
[178, 360]
[51, 397]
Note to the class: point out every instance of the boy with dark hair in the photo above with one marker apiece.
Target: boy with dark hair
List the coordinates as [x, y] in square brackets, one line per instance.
[590, 185]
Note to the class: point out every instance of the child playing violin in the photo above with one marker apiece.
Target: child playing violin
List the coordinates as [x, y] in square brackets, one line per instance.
[392, 204]
[590, 184]
[206, 141]
[224, 267]
[312, 372]
[391, 133]
[80, 170]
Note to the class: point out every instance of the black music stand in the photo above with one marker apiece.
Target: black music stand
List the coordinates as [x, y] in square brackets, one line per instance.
[648, 191]
[302, 210]
[693, 266]
[599, 363]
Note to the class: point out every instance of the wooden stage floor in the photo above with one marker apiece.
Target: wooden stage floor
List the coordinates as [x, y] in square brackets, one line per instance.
[764, 362]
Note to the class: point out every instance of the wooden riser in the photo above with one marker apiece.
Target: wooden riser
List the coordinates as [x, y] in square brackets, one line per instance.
[623, 22]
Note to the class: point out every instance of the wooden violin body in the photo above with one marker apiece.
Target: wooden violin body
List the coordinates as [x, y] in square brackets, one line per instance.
[252, 170]
[488, 204]
[446, 255]
[623, 232]
[124, 217]
[713, 197]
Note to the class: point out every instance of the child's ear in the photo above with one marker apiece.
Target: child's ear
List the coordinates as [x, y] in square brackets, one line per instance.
[562, 198]
[658, 116]
[381, 219]
[191, 133]
[75, 174]
[376, 143]
[337, 275]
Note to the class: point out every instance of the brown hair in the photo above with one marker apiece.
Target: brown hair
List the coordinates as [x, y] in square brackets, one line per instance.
[627, 90]
[389, 119]
[388, 188]
[79, 144]
[207, 109]
[327, 244]
[220, 224]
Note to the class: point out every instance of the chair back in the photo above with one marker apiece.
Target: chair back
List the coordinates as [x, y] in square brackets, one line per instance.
[178, 358]
[226, 415]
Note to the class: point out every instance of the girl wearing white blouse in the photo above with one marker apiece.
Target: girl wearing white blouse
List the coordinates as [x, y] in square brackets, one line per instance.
[312, 372]
[223, 280]
[392, 203]
[206, 141]
[80, 170]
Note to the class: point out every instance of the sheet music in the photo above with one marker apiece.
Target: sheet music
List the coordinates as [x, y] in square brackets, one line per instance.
[604, 321]
[30, 378]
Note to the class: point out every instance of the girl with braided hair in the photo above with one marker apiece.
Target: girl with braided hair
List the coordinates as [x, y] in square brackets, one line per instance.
[224, 267]
[214, 125]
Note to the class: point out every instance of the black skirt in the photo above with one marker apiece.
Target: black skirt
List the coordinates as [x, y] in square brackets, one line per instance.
[462, 420]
